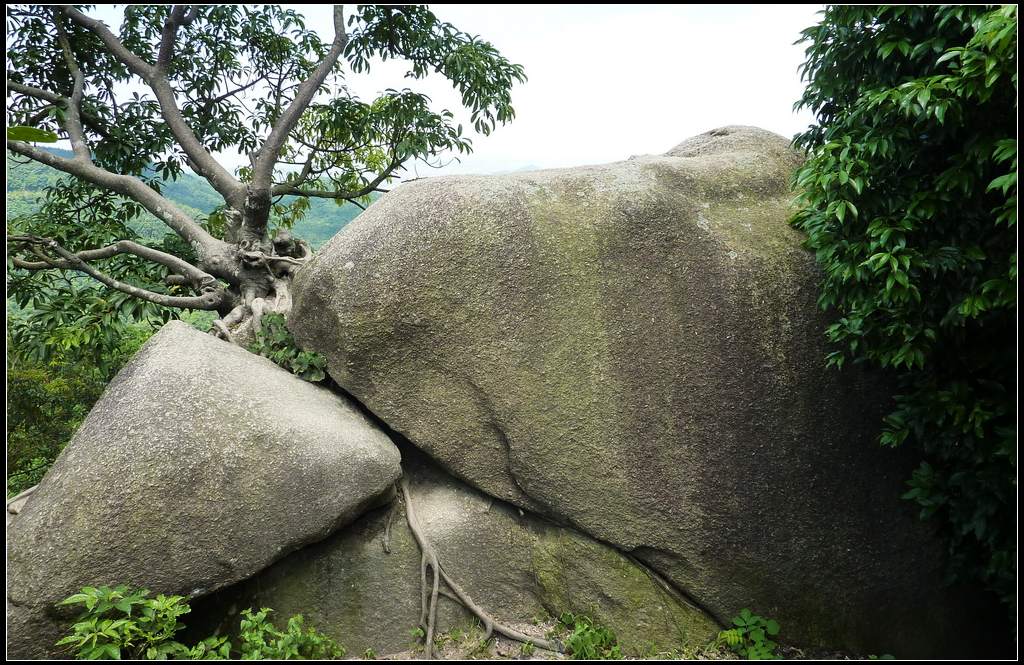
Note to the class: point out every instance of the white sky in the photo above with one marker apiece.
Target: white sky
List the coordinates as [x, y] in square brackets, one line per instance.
[610, 81]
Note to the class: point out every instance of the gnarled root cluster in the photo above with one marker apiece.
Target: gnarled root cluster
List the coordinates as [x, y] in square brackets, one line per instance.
[266, 288]
[428, 600]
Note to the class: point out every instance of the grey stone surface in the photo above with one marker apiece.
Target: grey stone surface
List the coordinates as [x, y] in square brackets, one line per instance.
[200, 465]
[636, 348]
[516, 566]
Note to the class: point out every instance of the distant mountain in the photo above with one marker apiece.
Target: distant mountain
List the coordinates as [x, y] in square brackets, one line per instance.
[27, 182]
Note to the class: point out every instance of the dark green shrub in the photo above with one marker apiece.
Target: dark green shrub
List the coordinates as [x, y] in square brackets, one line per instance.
[909, 199]
[275, 342]
[261, 640]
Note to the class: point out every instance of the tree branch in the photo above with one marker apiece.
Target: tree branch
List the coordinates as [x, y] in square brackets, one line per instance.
[327, 194]
[128, 186]
[171, 25]
[73, 118]
[53, 98]
[210, 299]
[155, 76]
[189, 272]
[266, 157]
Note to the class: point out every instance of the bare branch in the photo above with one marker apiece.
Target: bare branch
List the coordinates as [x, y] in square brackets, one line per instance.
[171, 25]
[327, 194]
[73, 117]
[210, 299]
[154, 75]
[55, 99]
[38, 93]
[131, 187]
[137, 65]
[184, 269]
[266, 157]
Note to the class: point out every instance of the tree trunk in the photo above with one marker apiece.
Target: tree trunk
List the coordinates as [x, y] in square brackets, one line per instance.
[258, 270]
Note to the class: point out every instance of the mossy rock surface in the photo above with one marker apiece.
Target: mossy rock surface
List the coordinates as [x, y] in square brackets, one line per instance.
[517, 566]
[636, 348]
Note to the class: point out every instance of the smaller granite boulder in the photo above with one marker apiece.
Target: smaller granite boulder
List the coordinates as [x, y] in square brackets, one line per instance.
[200, 465]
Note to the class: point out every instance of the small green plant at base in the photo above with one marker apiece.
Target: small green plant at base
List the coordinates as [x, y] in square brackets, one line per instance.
[261, 640]
[751, 636]
[120, 623]
[587, 641]
[275, 342]
[527, 649]
[369, 654]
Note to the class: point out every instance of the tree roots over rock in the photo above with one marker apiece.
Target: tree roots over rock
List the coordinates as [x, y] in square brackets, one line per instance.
[428, 601]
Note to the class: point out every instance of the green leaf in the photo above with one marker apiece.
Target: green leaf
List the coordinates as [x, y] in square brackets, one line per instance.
[30, 135]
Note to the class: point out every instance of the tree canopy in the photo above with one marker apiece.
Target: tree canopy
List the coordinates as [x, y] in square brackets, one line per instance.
[174, 86]
[909, 199]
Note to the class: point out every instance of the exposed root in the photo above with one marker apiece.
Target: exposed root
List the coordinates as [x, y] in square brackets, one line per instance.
[222, 331]
[12, 506]
[428, 610]
[386, 542]
[262, 294]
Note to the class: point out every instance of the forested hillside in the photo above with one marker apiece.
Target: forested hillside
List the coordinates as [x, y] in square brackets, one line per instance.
[26, 183]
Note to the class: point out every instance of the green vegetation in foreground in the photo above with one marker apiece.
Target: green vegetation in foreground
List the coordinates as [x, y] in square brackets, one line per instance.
[909, 200]
[118, 623]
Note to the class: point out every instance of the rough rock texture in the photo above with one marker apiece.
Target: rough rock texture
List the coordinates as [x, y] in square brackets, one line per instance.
[200, 465]
[636, 348]
[516, 566]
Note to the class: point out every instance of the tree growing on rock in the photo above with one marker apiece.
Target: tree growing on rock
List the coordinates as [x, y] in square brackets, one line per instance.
[177, 85]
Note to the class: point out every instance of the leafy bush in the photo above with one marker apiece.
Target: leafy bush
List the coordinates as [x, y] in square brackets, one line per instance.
[587, 641]
[909, 199]
[275, 342]
[751, 638]
[260, 640]
[119, 623]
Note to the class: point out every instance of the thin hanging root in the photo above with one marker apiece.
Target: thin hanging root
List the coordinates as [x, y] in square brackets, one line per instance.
[428, 613]
[386, 542]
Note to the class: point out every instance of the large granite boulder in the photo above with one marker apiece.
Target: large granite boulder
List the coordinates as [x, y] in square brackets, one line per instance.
[636, 348]
[200, 465]
[362, 586]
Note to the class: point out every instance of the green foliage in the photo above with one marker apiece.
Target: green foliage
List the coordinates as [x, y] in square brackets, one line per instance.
[260, 640]
[587, 641]
[369, 654]
[751, 638]
[119, 623]
[30, 134]
[233, 69]
[275, 342]
[909, 199]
